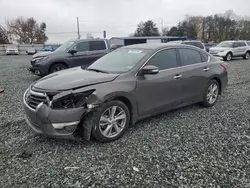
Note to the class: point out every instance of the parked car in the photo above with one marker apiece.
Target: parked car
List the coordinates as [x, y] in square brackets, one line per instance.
[48, 48]
[209, 45]
[122, 87]
[196, 43]
[31, 51]
[229, 49]
[71, 54]
[12, 50]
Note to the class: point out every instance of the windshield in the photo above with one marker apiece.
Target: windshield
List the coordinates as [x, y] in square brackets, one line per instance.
[119, 61]
[225, 44]
[65, 47]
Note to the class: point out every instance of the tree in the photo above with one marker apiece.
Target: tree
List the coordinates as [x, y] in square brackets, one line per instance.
[3, 36]
[27, 31]
[164, 31]
[147, 28]
[173, 31]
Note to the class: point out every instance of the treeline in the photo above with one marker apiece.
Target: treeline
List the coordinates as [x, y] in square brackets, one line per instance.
[218, 27]
[23, 31]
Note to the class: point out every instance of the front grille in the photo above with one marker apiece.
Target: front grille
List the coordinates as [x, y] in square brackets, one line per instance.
[33, 98]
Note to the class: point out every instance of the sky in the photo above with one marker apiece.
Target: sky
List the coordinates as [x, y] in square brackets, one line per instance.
[118, 18]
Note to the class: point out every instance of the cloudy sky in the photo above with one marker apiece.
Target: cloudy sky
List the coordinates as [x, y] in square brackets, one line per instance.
[117, 17]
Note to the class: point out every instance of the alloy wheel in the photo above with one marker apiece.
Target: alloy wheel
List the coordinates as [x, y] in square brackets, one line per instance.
[112, 121]
[229, 57]
[212, 93]
[56, 69]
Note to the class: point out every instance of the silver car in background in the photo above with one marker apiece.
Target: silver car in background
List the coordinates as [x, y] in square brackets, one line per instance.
[12, 50]
[229, 49]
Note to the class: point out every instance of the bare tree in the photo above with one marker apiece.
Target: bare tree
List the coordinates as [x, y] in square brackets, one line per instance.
[3, 35]
[27, 31]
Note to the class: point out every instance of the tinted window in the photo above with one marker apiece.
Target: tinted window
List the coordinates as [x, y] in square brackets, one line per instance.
[97, 45]
[82, 46]
[242, 44]
[189, 56]
[236, 44]
[165, 59]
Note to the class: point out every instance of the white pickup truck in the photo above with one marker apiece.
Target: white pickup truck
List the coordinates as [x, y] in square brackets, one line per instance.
[229, 49]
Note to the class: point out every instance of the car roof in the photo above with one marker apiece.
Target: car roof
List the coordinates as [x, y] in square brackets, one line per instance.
[155, 46]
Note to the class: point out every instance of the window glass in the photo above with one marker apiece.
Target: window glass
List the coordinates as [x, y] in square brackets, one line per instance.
[97, 45]
[82, 46]
[197, 44]
[189, 56]
[248, 43]
[242, 44]
[165, 59]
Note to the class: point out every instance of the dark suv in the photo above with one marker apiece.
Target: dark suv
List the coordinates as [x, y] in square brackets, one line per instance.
[70, 54]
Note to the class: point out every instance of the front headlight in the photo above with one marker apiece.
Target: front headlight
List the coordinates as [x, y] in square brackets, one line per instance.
[222, 50]
[37, 59]
[74, 100]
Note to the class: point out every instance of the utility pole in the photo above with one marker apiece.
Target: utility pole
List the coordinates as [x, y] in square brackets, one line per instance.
[78, 32]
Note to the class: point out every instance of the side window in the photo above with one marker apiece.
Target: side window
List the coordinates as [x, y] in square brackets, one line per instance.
[248, 43]
[236, 45]
[199, 45]
[82, 46]
[242, 44]
[164, 59]
[97, 45]
[189, 56]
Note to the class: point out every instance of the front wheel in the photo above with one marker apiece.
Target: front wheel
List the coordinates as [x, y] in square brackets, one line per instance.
[211, 95]
[246, 56]
[228, 57]
[57, 67]
[111, 121]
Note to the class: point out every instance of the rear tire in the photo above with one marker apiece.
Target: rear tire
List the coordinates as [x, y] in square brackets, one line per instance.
[228, 57]
[110, 129]
[246, 56]
[211, 94]
[57, 67]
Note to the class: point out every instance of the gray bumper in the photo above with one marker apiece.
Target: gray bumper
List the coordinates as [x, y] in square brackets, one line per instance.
[42, 119]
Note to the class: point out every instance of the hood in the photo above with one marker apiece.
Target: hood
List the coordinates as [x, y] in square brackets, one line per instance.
[40, 54]
[217, 49]
[72, 78]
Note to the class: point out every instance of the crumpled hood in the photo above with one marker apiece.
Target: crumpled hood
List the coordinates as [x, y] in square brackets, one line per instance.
[218, 49]
[41, 54]
[72, 78]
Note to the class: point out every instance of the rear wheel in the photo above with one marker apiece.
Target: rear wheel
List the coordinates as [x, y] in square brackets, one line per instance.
[57, 67]
[246, 56]
[228, 57]
[111, 121]
[211, 95]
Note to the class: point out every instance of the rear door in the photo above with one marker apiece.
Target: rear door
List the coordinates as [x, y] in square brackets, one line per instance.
[195, 73]
[163, 91]
[236, 49]
[98, 49]
[82, 57]
[242, 48]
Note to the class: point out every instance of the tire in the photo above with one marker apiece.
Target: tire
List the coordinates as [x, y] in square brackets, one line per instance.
[207, 102]
[228, 57]
[57, 67]
[247, 55]
[98, 130]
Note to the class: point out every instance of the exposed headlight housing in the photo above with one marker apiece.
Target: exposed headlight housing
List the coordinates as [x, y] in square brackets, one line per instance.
[74, 100]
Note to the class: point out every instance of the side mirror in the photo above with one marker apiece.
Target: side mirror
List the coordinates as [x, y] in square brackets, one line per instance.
[72, 51]
[149, 69]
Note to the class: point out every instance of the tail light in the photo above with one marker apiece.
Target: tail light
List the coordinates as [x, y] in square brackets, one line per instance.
[224, 65]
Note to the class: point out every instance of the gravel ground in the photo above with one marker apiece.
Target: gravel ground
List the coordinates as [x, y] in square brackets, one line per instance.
[188, 147]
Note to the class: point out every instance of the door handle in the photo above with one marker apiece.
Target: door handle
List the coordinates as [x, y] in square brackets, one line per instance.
[177, 76]
[205, 69]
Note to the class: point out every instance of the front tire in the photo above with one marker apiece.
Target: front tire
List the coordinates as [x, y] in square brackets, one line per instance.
[228, 57]
[111, 121]
[57, 67]
[247, 55]
[211, 94]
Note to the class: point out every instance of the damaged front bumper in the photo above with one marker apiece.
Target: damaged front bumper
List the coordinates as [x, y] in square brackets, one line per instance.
[58, 123]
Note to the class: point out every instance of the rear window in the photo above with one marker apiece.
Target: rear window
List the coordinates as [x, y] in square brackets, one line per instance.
[97, 45]
[197, 44]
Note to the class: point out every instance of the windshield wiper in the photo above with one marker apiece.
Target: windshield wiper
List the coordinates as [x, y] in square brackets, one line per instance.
[96, 70]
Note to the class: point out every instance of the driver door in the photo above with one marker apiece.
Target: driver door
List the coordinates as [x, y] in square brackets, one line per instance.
[162, 91]
[83, 55]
